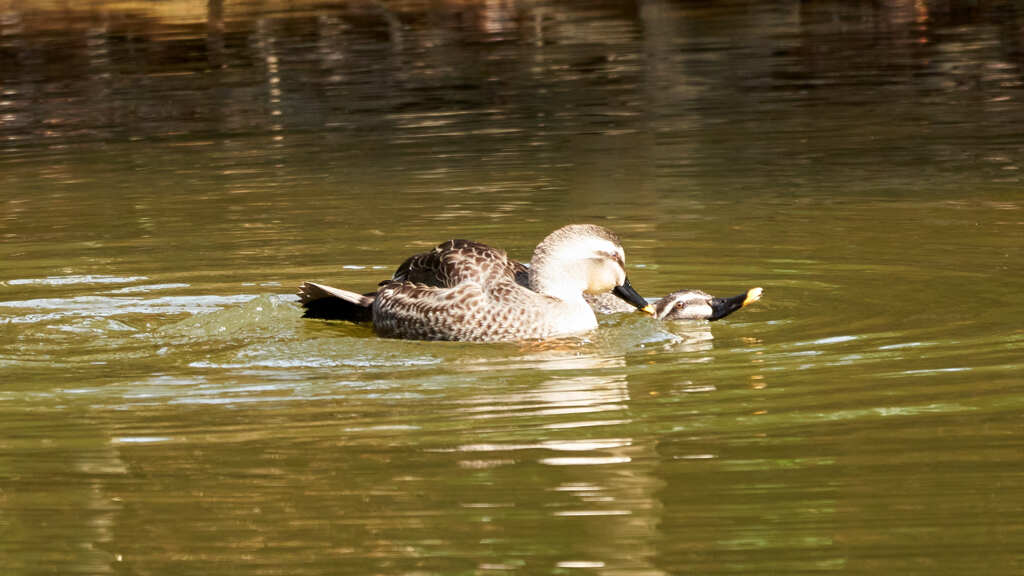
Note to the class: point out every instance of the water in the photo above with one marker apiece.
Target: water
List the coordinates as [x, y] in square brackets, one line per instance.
[171, 171]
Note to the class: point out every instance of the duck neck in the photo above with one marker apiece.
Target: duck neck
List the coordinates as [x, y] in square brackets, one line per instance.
[571, 311]
[559, 280]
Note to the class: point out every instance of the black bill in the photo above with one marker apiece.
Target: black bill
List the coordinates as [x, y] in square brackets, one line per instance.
[627, 293]
[722, 307]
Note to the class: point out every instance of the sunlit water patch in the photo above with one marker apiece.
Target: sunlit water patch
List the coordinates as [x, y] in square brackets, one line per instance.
[74, 279]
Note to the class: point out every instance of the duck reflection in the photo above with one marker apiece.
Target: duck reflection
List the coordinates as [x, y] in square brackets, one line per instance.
[572, 431]
[581, 394]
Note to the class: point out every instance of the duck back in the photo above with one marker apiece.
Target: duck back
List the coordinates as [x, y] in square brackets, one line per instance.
[464, 290]
[456, 261]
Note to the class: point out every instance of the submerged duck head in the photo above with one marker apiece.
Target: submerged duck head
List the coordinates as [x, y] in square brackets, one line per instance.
[583, 259]
[697, 305]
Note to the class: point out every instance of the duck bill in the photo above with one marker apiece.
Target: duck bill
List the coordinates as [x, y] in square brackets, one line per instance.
[627, 293]
[722, 307]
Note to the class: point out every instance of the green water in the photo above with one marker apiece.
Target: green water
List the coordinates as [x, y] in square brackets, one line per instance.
[169, 177]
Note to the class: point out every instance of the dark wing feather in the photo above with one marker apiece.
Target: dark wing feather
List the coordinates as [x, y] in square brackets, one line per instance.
[456, 261]
[522, 274]
[329, 303]
[423, 268]
[337, 309]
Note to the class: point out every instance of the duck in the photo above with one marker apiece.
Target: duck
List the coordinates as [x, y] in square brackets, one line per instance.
[468, 291]
[686, 304]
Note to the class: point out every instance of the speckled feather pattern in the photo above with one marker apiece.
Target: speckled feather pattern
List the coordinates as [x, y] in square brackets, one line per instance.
[463, 290]
[608, 303]
[456, 261]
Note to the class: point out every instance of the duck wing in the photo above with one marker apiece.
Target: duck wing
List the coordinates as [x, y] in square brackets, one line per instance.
[457, 261]
[467, 311]
[522, 274]
[460, 290]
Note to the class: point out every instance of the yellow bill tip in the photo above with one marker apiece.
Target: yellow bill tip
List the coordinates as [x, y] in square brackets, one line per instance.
[648, 310]
[753, 295]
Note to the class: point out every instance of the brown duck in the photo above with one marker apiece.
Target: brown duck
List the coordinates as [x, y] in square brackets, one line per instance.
[463, 290]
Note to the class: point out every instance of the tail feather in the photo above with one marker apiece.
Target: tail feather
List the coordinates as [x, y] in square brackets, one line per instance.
[329, 303]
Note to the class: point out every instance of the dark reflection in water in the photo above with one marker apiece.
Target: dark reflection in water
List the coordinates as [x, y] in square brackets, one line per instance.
[806, 83]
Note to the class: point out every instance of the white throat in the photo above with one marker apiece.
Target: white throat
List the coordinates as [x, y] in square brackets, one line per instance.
[558, 278]
[566, 285]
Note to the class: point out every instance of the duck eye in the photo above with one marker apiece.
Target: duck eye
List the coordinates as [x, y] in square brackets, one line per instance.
[614, 257]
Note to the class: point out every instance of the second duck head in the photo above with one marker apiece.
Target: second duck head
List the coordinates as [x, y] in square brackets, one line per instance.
[697, 305]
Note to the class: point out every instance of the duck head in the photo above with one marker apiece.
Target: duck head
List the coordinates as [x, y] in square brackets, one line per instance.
[583, 258]
[697, 305]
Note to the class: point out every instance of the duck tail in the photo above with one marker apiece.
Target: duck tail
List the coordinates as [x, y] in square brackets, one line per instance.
[329, 303]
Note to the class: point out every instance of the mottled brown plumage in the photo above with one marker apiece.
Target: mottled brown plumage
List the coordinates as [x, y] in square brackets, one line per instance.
[463, 290]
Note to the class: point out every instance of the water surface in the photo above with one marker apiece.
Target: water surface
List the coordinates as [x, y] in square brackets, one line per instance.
[171, 171]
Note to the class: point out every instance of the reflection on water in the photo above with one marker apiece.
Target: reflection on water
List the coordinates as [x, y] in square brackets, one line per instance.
[599, 476]
[528, 83]
[171, 170]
